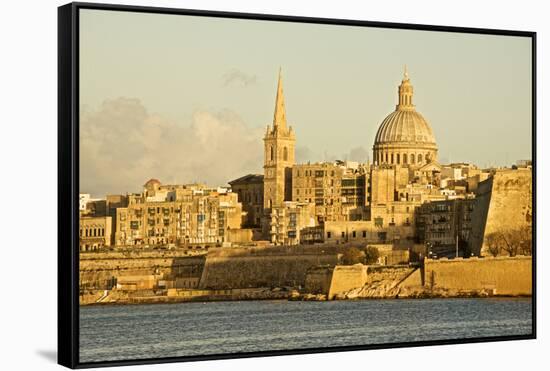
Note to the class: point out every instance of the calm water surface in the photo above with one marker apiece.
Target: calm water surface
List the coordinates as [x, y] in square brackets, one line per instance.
[185, 329]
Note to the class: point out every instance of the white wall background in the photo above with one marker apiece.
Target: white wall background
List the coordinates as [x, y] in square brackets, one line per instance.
[28, 151]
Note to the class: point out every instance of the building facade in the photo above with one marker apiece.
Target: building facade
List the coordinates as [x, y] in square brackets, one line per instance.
[445, 226]
[338, 189]
[250, 189]
[289, 220]
[95, 233]
[191, 216]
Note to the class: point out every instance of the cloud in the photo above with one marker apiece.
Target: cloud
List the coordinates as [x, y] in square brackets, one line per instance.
[122, 145]
[239, 78]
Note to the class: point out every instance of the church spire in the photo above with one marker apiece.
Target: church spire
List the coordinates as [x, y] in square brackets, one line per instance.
[405, 92]
[279, 117]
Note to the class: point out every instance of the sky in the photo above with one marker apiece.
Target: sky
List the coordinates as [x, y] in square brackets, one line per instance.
[187, 99]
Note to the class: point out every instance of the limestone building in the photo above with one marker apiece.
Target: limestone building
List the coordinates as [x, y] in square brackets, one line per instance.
[289, 220]
[250, 189]
[446, 225]
[338, 189]
[95, 233]
[191, 216]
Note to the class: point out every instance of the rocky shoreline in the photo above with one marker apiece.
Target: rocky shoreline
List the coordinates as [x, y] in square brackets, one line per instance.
[124, 298]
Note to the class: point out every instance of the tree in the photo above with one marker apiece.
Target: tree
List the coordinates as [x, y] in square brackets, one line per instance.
[526, 240]
[371, 255]
[352, 256]
[511, 241]
[493, 243]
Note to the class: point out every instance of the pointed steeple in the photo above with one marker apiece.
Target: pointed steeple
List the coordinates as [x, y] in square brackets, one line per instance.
[405, 93]
[279, 117]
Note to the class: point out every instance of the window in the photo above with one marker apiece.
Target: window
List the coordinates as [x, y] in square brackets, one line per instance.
[285, 154]
[364, 234]
[392, 158]
[343, 234]
[404, 158]
[328, 234]
[398, 156]
[271, 153]
[412, 158]
[419, 158]
[353, 234]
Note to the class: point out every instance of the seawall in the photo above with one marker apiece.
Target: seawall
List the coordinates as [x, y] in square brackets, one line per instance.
[500, 276]
[100, 270]
[275, 266]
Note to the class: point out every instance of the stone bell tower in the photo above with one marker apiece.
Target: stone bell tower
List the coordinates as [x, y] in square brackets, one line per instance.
[279, 143]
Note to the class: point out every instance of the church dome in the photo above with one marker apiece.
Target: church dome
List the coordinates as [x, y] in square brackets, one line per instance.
[406, 126]
[405, 136]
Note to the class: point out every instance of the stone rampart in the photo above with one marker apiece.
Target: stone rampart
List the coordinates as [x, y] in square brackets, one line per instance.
[318, 279]
[501, 276]
[100, 270]
[345, 278]
[503, 203]
[275, 266]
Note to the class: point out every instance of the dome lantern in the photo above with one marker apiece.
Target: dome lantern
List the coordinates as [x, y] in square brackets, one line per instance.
[405, 93]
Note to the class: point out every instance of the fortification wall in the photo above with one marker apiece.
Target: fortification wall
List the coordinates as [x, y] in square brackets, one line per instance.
[318, 280]
[414, 280]
[275, 266]
[504, 275]
[503, 203]
[97, 270]
[345, 278]
[338, 281]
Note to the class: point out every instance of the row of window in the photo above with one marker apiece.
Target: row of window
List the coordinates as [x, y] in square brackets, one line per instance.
[390, 158]
[248, 197]
[317, 173]
[353, 234]
[92, 232]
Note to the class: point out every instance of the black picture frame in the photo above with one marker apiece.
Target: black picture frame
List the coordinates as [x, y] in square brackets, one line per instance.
[68, 178]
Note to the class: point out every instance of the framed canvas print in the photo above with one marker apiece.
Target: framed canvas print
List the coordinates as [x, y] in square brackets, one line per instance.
[237, 185]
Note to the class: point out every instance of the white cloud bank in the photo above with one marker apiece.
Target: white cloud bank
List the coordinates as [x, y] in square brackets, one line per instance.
[122, 146]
